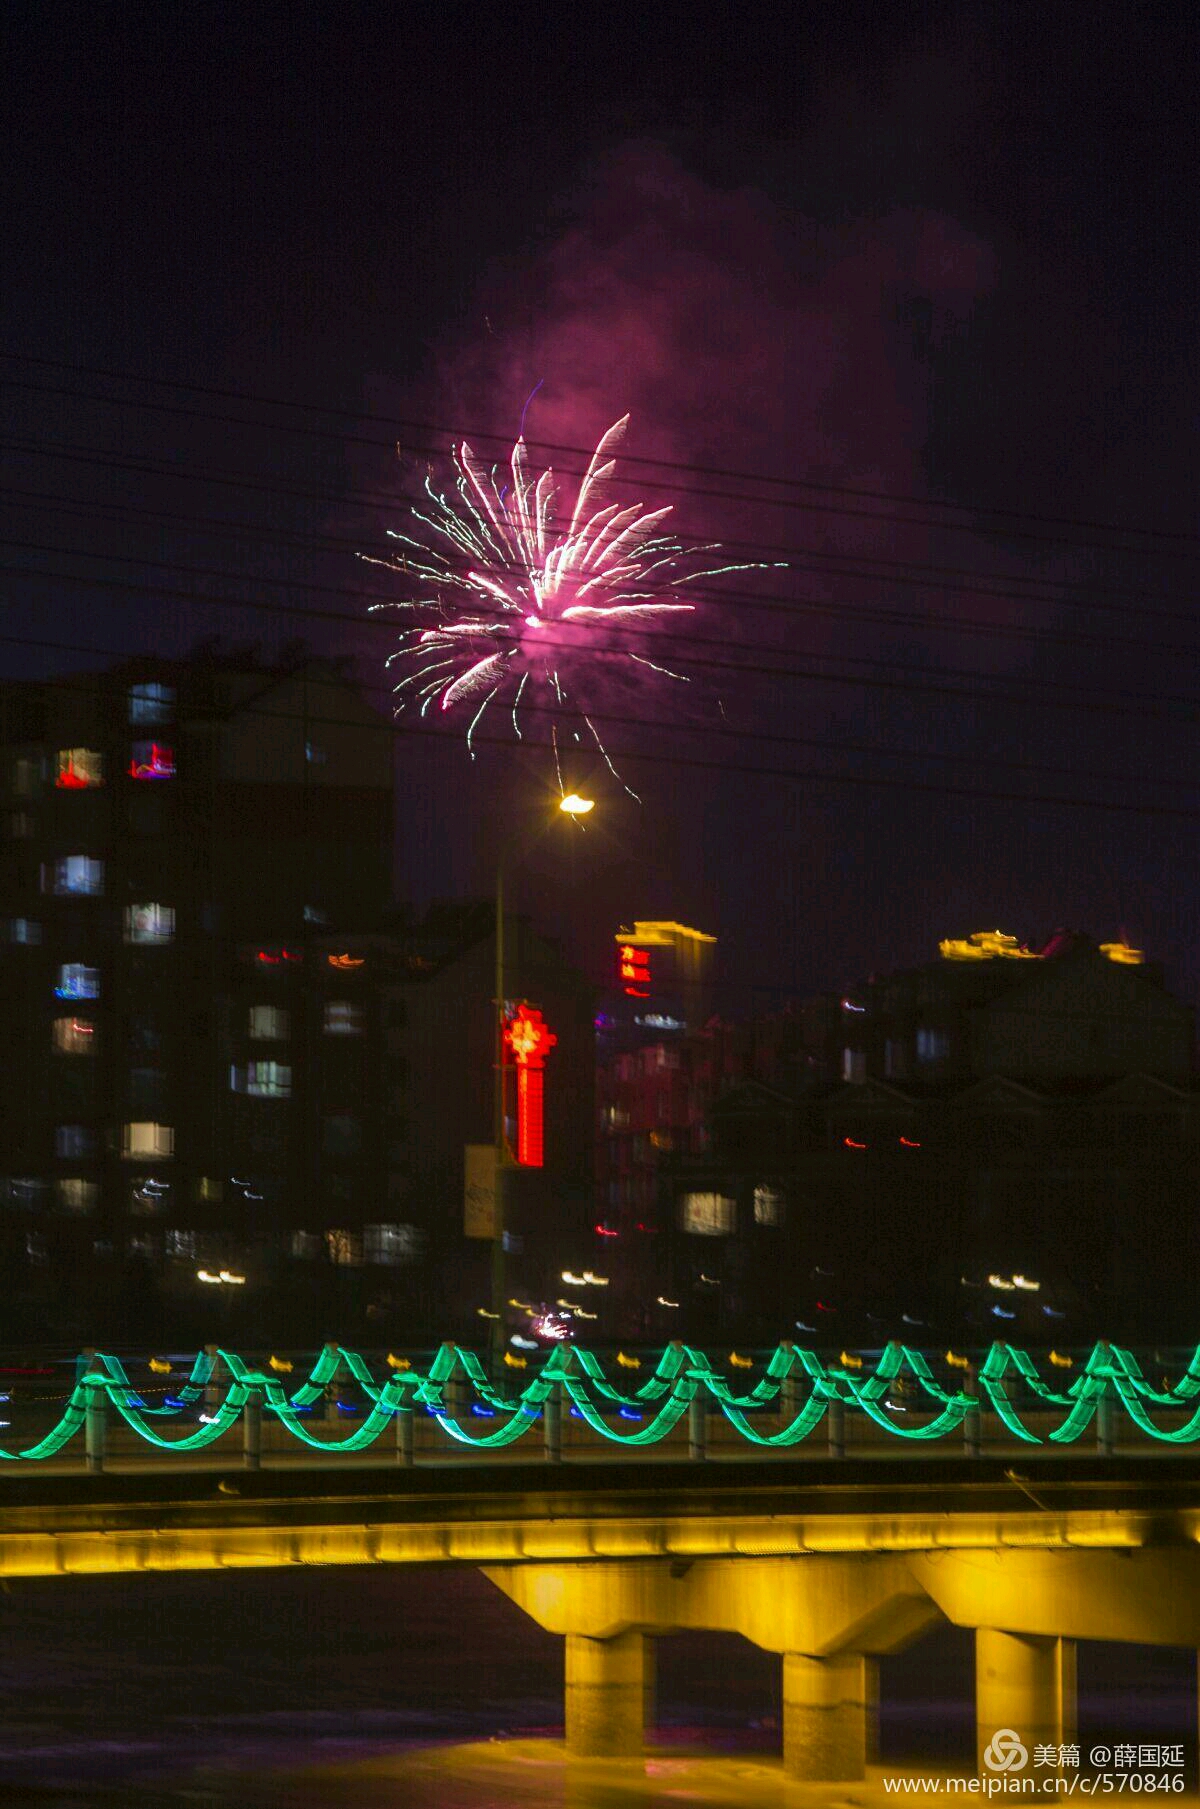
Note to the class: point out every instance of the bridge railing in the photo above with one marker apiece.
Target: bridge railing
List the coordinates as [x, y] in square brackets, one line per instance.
[577, 1404]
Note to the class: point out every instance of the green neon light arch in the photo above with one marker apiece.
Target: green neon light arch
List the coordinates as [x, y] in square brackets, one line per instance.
[798, 1386]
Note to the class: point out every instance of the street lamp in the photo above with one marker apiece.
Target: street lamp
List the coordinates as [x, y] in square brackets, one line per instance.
[572, 805]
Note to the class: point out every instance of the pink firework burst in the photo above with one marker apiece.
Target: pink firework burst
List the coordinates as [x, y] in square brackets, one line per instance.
[517, 609]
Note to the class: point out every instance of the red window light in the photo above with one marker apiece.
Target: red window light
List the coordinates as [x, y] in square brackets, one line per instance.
[530, 1038]
[634, 968]
[151, 761]
[909, 1144]
[77, 774]
[851, 1144]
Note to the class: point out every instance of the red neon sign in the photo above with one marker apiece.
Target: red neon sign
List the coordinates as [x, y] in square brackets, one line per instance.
[530, 1038]
[634, 968]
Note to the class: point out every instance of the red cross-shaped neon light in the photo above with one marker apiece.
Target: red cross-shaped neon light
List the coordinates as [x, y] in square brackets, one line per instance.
[530, 1038]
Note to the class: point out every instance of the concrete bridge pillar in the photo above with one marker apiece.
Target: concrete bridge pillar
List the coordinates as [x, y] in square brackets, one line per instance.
[830, 1714]
[1025, 1683]
[606, 1690]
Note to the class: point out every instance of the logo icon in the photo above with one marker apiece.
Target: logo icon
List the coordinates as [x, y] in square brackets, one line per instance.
[1005, 1751]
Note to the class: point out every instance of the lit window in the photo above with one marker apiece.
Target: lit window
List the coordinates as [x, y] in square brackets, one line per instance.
[79, 768]
[343, 1017]
[149, 923]
[24, 930]
[708, 1214]
[78, 875]
[305, 1245]
[180, 1243]
[854, 1066]
[151, 703]
[148, 1197]
[345, 1248]
[269, 1080]
[78, 982]
[144, 1139]
[316, 916]
[391, 1244]
[74, 1140]
[74, 1036]
[768, 1205]
[268, 1024]
[315, 754]
[341, 1135]
[932, 1045]
[207, 1187]
[150, 760]
[77, 1195]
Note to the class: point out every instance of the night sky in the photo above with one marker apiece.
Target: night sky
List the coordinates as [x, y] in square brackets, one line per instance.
[906, 298]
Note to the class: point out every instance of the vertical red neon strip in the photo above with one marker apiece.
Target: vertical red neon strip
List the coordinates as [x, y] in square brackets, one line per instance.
[530, 1039]
[530, 1137]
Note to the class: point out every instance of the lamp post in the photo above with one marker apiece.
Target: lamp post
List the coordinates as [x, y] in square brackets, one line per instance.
[571, 805]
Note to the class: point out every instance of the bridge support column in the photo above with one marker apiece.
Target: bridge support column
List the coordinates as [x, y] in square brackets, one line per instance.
[606, 1687]
[830, 1707]
[1026, 1684]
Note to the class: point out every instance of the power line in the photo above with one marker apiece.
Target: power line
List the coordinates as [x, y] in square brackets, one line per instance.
[853, 566]
[844, 610]
[910, 573]
[409, 730]
[686, 490]
[730, 668]
[408, 424]
[713, 731]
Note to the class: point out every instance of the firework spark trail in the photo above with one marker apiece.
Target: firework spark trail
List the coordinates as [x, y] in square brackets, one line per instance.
[506, 601]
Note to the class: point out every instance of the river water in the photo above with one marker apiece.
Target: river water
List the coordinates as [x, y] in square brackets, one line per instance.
[426, 1689]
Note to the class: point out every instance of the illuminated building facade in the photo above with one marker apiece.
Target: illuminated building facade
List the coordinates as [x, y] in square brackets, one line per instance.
[988, 1116]
[179, 835]
[662, 982]
[654, 1080]
[661, 1058]
[235, 1055]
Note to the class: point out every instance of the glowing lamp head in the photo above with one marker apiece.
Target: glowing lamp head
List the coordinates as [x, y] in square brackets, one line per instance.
[575, 806]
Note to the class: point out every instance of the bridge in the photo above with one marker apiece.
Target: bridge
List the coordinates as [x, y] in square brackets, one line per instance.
[829, 1551]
